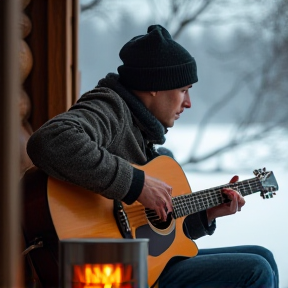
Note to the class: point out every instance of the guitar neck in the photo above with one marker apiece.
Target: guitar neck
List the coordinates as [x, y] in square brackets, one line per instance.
[187, 204]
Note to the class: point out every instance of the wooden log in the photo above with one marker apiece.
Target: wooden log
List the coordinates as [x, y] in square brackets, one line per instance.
[24, 106]
[25, 25]
[25, 60]
[24, 3]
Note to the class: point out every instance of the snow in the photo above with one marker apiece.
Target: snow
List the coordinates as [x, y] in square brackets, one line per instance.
[261, 222]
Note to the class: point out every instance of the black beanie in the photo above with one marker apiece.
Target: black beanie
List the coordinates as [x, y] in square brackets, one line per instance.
[155, 62]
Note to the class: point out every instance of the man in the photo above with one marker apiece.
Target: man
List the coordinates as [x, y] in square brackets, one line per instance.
[118, 123]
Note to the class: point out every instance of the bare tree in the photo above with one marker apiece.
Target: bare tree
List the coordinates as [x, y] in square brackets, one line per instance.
[104, 10]
[178, 15]
[261, 36]
[266, 44]
[263, 41]
[87, 6]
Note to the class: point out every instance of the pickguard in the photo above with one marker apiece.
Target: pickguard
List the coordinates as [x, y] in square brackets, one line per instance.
[158, 243]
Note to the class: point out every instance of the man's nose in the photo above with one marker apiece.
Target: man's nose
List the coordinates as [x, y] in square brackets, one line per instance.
[187, 101]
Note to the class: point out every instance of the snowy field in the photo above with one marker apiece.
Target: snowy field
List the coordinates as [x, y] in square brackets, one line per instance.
[261, 222]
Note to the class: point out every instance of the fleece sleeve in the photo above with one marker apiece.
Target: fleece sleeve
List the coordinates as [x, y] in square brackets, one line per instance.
[74, 147]
[196, 225]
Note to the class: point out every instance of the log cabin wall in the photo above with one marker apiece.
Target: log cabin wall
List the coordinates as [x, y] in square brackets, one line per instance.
[52, 84]
[49, 64]
[9, 146]
[48, 58]
[25, 67]
[38, 79]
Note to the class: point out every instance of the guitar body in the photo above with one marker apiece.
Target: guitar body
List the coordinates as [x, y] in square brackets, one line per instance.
[55, 210]
[79, 213]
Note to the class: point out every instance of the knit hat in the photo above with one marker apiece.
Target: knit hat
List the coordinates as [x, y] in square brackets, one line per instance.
[155, 62]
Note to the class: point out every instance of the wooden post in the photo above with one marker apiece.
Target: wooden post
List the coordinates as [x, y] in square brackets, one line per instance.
[10, 268]
[63, 75]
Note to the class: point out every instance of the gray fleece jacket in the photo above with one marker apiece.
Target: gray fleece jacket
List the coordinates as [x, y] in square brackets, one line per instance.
[94, 143]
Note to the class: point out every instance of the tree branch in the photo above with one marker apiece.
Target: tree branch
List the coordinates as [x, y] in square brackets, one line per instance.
[90, 5]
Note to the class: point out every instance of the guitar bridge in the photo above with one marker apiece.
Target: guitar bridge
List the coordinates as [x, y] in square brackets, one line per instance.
[122, 220]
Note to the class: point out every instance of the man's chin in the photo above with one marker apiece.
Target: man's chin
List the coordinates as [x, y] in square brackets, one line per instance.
[170, 125]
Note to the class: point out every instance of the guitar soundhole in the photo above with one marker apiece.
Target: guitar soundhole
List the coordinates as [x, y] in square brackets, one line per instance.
[154, 219]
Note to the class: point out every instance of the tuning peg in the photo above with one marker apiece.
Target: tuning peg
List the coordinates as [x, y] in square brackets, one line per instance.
[263, 172]
[256, 172]
[259, 173]
[267, 194]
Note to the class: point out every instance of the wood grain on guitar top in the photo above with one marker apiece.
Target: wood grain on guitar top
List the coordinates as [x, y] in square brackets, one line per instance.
[79, 213]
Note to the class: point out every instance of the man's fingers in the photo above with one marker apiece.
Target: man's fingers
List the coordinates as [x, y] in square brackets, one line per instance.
[237, 201]
[156, 195]
[241, 202]
[234, 204]
[162, 214]
[234, 179]
[163, 208]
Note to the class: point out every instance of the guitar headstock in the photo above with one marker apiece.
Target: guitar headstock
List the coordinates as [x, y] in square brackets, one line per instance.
[268, 182]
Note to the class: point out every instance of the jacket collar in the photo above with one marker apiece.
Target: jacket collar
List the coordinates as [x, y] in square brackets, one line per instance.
[151, 128]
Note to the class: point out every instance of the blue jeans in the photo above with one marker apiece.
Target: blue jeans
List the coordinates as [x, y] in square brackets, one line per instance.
[240, 266]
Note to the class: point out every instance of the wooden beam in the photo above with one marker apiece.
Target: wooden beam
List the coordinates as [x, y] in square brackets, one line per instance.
[63, 54]
[36, 84]
[58, 55]
[9, 145]
[53, 83]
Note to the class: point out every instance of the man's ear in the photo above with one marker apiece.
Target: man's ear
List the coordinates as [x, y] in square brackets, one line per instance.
[153, 93]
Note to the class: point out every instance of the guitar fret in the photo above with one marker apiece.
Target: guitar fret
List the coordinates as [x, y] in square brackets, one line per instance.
[186, 204]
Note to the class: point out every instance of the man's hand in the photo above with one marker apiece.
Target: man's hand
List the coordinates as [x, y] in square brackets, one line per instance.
[156, 195]
[236, 203]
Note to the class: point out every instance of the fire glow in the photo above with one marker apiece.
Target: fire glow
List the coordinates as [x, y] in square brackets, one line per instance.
[102, 276]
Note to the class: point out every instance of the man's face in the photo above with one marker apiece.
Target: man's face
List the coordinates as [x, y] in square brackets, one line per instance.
[168, 105]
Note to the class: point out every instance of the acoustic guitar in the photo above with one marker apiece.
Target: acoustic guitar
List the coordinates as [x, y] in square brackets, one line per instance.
[74, 212]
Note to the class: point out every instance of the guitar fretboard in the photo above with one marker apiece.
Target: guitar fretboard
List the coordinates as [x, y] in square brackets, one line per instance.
[186, 204]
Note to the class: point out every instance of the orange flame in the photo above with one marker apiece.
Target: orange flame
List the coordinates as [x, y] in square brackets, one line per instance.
[102, 276]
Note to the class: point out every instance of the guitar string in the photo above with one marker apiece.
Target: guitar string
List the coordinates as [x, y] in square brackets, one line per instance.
[204, 196]
[181, 200]
[213, 195]
[240, 186]
[209, 192]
